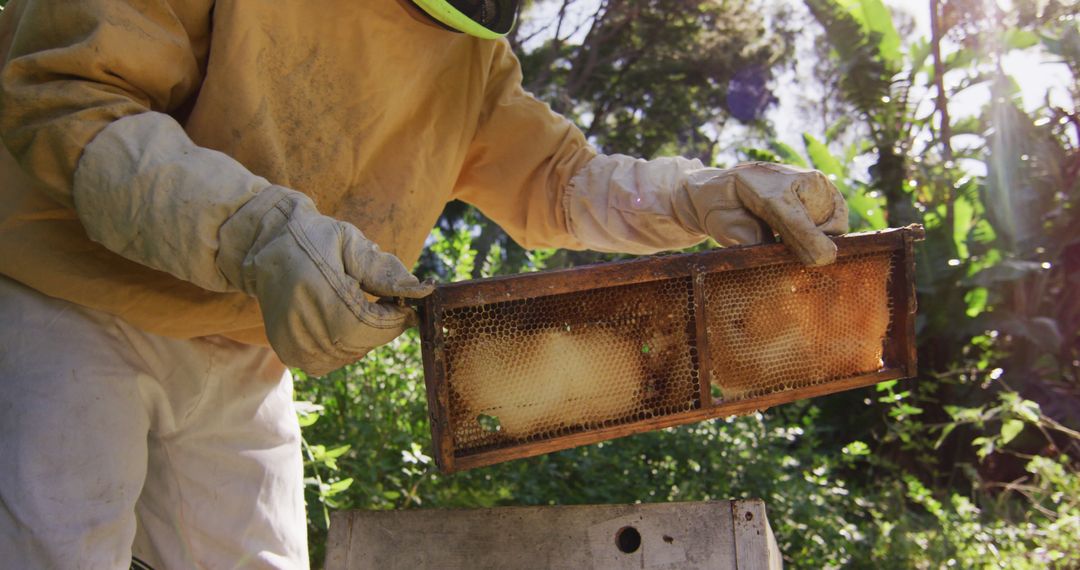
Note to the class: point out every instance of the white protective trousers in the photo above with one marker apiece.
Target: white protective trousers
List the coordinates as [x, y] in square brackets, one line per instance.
[114, 442]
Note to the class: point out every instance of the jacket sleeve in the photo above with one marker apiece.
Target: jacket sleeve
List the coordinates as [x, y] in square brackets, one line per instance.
[74, 67]
[521, 160]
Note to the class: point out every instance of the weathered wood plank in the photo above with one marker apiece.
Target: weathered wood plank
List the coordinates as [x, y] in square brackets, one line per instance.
[755, 546]
[666, 535]
[339, 542]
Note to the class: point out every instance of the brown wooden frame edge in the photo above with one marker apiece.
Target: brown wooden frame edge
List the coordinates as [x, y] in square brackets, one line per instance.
[641, 270]
[438, 392]
[900, 361]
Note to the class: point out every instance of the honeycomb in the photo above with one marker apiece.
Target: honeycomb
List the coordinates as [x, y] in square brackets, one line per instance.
[544, 367]
[539, 368]
[783, 327]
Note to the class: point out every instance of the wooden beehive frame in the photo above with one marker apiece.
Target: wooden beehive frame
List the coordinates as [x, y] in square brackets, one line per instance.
[898, 356]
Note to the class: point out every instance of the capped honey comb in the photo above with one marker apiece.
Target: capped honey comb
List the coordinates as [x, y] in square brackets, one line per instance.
[784, 327]
[538, 368]
[522, 365]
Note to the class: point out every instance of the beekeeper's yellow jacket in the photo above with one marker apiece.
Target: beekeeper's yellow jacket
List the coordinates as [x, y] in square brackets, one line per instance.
[379, 117]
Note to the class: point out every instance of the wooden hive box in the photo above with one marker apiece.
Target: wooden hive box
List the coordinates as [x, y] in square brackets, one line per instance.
[713, 535]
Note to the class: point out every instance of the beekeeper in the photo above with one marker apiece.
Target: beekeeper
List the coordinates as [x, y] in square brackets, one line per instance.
[189, 183]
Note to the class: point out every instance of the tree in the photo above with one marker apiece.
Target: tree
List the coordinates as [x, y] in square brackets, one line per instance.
[648, 77]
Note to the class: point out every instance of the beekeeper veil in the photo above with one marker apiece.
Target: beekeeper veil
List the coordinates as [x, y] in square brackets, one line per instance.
[487, 19]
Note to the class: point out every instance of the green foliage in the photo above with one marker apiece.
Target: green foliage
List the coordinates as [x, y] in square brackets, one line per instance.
[865, 50]
[875, 20]
[1030, 522]
[659, 76]
[865, 206]
[976, 464]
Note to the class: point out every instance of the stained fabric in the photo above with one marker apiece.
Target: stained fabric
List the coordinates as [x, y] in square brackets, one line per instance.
[377, 116]
[185, 453]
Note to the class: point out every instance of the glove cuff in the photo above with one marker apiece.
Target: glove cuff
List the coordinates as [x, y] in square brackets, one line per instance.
[145, 191]
[708, 203]
[616, 203]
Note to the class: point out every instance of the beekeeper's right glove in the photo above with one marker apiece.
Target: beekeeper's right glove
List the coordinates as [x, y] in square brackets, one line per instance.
[622, 204]
[145, 191]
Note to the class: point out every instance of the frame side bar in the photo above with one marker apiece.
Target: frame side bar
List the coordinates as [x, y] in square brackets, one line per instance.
[911, 305]
[701, 333]
[438, 393]
[900, 347]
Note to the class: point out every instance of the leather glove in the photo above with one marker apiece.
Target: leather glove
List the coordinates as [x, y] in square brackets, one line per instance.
[310, 274]
[799, 204]
[144, 190]
[617, 203]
